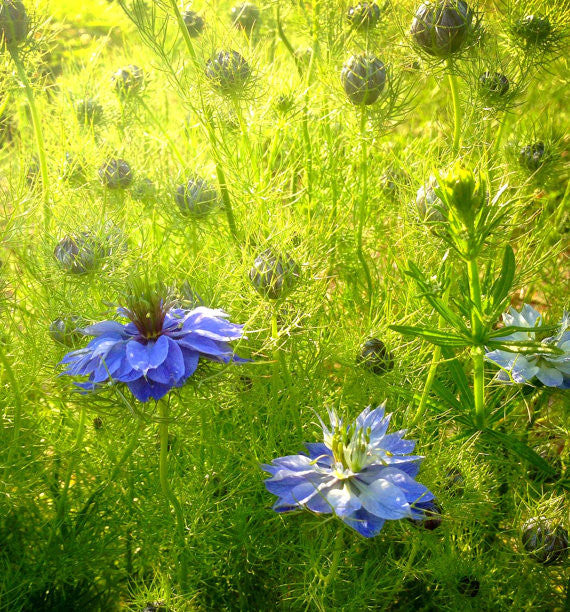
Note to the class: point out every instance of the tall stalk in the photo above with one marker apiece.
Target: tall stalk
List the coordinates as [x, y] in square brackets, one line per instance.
[363, 205]
[478, 351]
[169, 494]
[454, 87]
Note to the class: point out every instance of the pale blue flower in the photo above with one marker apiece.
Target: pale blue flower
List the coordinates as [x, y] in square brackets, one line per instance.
[551, 370]
[359, 473]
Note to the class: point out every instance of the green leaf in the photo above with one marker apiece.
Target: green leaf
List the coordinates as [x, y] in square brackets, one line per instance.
[458, 376]
[524, 348]
[504, 282]
[439, 338]
[509, 329]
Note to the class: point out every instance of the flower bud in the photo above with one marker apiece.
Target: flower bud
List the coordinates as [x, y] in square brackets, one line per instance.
[77, 254]
[116, 173]
[543, 542]
[274, 276]
[245, 16]
[194, 23]
[364, 15]
[531, 156]
[494, 83]
[128, 80]
[73, 169]
[228, 71]
[363, 78]
[463, 193]
[428, 203]
[14, 22]
[197, 197]
[376, 357]
[88, 111]
[533, 29]
[65, 330]
[468, 586]
[441, 28]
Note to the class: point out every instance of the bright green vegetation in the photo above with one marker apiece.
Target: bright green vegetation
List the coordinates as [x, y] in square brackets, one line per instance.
[83, 521]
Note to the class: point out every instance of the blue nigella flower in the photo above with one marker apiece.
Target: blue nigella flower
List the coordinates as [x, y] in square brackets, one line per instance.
[360, 473]
[157, 350]
[551, 370]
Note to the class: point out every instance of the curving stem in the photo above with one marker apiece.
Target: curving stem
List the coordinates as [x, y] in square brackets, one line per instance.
[454, 87]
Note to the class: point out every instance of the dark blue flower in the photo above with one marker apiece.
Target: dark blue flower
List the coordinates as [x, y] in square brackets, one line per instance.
[157, 350]
[360, 473]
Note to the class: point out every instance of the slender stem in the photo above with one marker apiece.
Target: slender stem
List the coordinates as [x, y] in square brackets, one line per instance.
[168, 493]
[338, 548]
[160, 126]
[363, 205]
[183, 30]
[40, 145]
[454, 86]
[432, 368]
[403, 574]
[478, 351]
[17, 420]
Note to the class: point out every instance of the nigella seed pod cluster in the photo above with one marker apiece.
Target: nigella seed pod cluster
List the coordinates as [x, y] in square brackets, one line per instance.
[428, 204]
[194, 23]
[432, 516]
[77, 254]
[363, 78]
[14, 22]
[531, 156]
[196, 197]
[88, 111]
[274, 276]
[494, 83]
[533, 29]
[228, 71]
[364, 15]
[116, 173]
[441, 28]
[545, 543]
[128, 80]
[66, 330]
[376, 357]
[144, 190]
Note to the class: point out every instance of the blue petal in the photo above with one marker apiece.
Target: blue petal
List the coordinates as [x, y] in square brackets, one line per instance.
[207, 346]
[144, 357]
[318, 449]
[144, 389]
[171, 370]
[550, 377]
[191, 360]
[384, 499]
[343, 499]
[365, 523]
[413, 490]
[105, 328]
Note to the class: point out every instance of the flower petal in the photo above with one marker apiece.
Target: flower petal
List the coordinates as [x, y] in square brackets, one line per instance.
[144, 357]
[550, 377]
[384, 499]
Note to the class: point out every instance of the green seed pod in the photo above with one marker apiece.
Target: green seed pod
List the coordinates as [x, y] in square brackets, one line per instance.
[116, 174]
[245, 16]
[14, 22]
[376, 357]
[441, 28]
[194, 23]
[228, 71]
[364, 15]
[197, 197]
[533, 29]
[363, 78]
[144, 190]
[128, 80]
[65, 330]
[428, 203]
[531, 156]
[543, 542]
[274, 276]
[77, 254]
[88, 111]
[494, 84]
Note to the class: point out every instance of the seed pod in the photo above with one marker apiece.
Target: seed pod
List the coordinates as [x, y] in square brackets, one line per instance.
[468, 586]
[274, 276]
[427, 202]
[245, 16]
[455, 482]
[128, 80]
[531, 157]
[73, 168]
[533, 29]
[197, 197]
[363, 78]
[88, 111]
[376, 357]
[194, 23]
[364, 15]
[228, 71]
[432, 516]
[543, 542]
[14, 22]
[116, 173]
[98, 423]
[65, 330]
[156, 606]
[441, 28]
[77, 254]
[284, 103]
[494, 83]
[144, 190]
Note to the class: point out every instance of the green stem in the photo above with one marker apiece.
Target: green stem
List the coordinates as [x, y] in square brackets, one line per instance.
[160, 126]
[454, 86]
[168, 493]
[338, 548]
[363, 205]
[184, 30]
[478, 351]
[17, 419]
[403, 574]
[40, 145]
